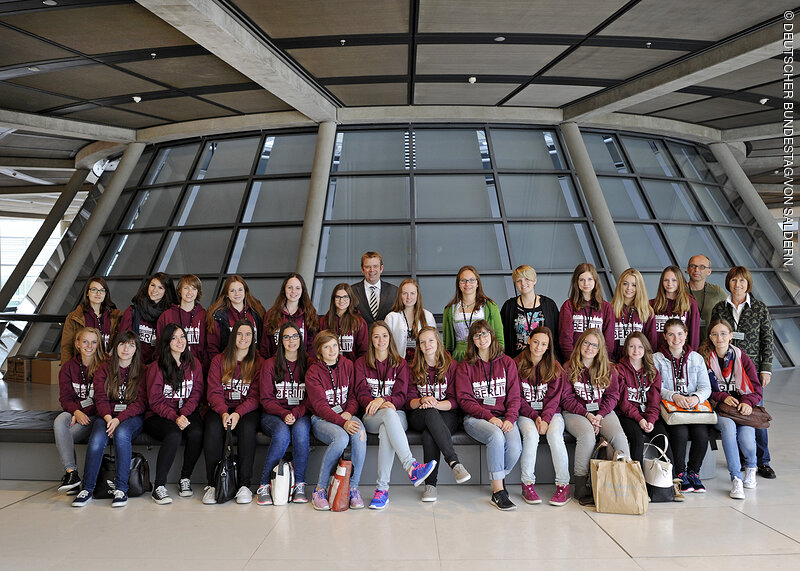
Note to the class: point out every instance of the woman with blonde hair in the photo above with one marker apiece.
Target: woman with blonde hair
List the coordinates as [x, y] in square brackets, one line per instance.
[588, 399]
[632, 311]
[433, 409]
[407, 318]
[522, 314]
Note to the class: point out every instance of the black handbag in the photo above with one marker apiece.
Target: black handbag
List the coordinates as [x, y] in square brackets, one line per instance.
[226, 472]
[138, 479]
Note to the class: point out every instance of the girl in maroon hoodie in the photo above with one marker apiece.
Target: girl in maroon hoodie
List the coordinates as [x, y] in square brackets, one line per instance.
[585, 309]
[232, 393]
[285, 419]
[344, 319]
[540, 379]
[174, 390]
[381, 387]
[588, 400]
[121, 398]
[76, 394]
[332, 401]
[233, 304]
[190, 315]
[487, 390]
[154, 297]
[292, 304]
[632, 311]
[639, 403]
[433, 407]
[674, 301]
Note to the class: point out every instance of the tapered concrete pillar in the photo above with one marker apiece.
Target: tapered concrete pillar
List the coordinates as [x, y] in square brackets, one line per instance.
[40, 240]
[315, 207]
[88, 236]
[753, 201]
[609, 238]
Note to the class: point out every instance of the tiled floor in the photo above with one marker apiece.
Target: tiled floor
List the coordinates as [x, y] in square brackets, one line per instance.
[39, 529]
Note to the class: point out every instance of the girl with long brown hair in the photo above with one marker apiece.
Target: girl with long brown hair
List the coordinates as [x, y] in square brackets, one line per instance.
[344, 319]
[95, 310]
[585, 309]
[673, 300]
[235, 303]
[292, 304]
[407, 317]
[232, 393]
[154, 297]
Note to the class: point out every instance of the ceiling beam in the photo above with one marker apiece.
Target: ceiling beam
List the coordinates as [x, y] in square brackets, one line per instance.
[37, 164]
[17, 175]
[64, 127]
[756, 133]
[723, 58]
[12, 214]
[37, 189]
[208, 24]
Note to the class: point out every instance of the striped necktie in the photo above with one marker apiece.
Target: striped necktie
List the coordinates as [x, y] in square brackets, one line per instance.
[373, 301]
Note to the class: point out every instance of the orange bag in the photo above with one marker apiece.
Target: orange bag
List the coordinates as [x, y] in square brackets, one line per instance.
[339, 495]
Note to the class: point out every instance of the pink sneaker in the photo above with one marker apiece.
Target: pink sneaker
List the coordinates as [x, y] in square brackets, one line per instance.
[529, 494]
[356, 503]
[319, 499]
[561, 496]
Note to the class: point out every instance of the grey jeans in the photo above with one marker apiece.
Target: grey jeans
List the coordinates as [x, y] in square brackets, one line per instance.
[66, 436]
[580, 427]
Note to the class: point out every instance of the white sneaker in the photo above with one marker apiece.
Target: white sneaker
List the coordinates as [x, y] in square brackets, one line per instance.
[737, 489]
[244, 495]
[750, 478]
[210, 495]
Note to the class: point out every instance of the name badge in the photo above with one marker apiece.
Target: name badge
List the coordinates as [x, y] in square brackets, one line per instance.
[702, 323]
[236, 395]
[592, 407]
[337, 409]
[537, 405]
[180, 403]
[292, 401]
[490, 401]
[411, 343]
[87, 403]
[643, 407]
[120, 407]
[737, 336]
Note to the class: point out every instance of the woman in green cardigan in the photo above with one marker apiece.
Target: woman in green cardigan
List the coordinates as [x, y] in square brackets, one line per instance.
[468, 306]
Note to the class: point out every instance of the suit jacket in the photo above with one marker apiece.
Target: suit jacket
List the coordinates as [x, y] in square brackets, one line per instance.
[385, 302]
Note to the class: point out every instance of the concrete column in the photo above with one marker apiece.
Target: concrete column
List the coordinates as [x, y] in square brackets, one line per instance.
[44, 233]
[315, 207]
[609, 238]
[752, 200]
[88, 236]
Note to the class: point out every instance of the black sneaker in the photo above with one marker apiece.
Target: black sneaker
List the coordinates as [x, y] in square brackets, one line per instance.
[501, 501]
[764, 471]
[70, 481]
[84, 498]
[120, 499]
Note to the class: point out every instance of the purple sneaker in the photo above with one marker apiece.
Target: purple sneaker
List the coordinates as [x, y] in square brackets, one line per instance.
[319, 500]
[529, 494]
[421, 471]
[356, 503]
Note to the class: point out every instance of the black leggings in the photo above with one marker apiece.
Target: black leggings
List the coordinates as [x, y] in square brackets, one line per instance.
[214, 442]
[170, 436]
[637, 436]
[679, 435]
[437, 427]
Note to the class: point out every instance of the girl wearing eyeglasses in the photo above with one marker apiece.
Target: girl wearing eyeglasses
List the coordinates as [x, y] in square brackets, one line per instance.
[407, 318]
[95, 310]
[585, 309]
[469, 305]
[588, 400]
[285, 417]
[487, 390]
[344, 319]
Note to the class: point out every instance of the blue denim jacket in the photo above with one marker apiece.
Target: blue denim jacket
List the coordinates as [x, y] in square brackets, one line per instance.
[696, 371]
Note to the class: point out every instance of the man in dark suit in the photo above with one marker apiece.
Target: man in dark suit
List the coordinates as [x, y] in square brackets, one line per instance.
[375, 296]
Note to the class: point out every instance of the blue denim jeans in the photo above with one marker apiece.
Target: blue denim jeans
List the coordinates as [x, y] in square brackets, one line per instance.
[530, 444]
[736, 437]
[67, 435]
[390, 425]
[762, 444]
[281, 435]
[502, 448]
[337, 440]
[123, 435]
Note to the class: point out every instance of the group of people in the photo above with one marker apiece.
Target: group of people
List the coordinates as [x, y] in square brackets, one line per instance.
[375, 363]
